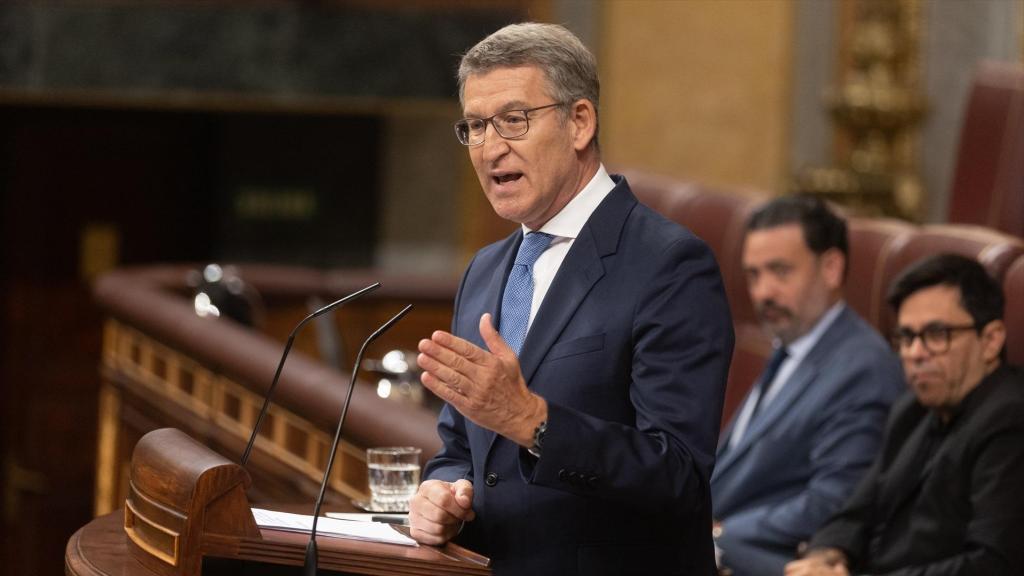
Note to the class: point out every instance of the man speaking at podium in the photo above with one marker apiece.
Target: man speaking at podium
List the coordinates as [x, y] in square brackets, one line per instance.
[586, 366]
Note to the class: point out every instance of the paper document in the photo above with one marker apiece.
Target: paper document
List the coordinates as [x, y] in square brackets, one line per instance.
[368, 531]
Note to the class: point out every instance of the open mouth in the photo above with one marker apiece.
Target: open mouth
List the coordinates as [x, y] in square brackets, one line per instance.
[505, 178]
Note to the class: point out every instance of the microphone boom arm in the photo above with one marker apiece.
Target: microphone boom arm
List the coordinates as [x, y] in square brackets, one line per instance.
[311, 551]
[280, 365]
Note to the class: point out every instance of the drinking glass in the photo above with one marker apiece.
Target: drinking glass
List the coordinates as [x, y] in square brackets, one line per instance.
[394, 477]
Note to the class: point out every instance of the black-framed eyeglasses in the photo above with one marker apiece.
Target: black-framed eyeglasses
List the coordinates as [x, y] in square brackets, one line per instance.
[934, 337]
[508, 124]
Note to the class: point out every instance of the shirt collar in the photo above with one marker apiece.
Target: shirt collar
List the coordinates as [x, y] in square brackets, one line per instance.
[802, 345]
[570, 219]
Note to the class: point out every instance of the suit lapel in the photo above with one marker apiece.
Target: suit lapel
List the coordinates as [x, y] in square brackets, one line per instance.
[908, 470]
[793, 390]
[492, 288]
[780, 405]
[580, 270]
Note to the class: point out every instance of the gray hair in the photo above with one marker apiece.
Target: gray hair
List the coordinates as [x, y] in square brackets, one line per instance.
[570, 68]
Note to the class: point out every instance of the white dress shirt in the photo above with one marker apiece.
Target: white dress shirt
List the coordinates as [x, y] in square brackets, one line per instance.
[565, 227]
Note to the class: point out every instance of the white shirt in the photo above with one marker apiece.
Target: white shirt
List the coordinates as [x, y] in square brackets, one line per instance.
[796, 352]
[565, 227]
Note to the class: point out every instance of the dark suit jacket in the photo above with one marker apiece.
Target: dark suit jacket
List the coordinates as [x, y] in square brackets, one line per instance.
[802, 457]
[630, 348]
[956, 509]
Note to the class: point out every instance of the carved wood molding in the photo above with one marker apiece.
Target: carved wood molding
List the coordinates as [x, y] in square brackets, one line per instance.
[164, 366]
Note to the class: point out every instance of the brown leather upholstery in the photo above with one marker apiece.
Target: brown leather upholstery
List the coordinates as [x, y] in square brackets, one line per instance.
[995, 250]
[1013, 288]
[720, 218]
[879, 250]
[872, 242]
[988, 187]
[660, 193]
[717, 216]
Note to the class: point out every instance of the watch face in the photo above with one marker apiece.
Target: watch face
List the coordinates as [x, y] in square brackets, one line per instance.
[538, 439]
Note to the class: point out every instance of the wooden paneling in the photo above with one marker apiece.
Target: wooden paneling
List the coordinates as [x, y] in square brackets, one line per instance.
[174, 390]
[699, 90]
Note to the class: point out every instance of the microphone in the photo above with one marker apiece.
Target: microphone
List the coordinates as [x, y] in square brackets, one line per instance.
[287, 348]
[312, 556]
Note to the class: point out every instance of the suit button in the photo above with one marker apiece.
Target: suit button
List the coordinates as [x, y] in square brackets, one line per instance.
[563, 475]
[491, 479]
[592, 482]
[574, 478]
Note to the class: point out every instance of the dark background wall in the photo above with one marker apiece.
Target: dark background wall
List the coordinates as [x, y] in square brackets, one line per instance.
[181, 131]
[374, 50]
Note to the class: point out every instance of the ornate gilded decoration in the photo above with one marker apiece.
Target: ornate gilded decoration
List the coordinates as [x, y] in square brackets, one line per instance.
[877, 111]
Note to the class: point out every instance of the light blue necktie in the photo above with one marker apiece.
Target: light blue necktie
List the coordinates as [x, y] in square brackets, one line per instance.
[515, 303]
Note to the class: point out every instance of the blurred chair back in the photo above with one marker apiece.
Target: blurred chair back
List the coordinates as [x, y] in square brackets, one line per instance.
[873, 241]
[988, 187]
[880, 249]
[1013, 288]
[993, 249]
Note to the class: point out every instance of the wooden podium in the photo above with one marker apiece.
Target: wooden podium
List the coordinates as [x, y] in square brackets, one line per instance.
[187, 503]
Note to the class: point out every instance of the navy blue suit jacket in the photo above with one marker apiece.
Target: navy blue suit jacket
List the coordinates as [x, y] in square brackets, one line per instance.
[803, 455]
[630, 348]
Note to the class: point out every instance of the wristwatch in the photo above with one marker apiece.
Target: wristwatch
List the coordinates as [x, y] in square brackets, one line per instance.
[538, 439]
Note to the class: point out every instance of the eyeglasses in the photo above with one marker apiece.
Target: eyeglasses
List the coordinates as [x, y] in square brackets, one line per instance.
[934, 337]
[508, 124]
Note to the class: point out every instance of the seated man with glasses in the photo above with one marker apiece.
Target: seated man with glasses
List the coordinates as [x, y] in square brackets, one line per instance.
[943, 495]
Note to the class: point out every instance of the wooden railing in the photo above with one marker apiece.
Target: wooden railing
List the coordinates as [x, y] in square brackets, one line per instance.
[163, 365]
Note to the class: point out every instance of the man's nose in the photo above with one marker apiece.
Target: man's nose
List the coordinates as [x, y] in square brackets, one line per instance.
[916, 350]
[760, 290]
[494, 146]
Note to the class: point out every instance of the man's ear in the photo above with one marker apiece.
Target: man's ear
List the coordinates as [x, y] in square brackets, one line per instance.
[583, 117]
[833, 267]
[993, 338]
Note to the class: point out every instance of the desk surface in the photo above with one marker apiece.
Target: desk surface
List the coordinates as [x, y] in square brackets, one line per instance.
[100, 548]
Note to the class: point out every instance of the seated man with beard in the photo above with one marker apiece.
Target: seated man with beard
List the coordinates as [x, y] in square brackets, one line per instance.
[812, 423]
